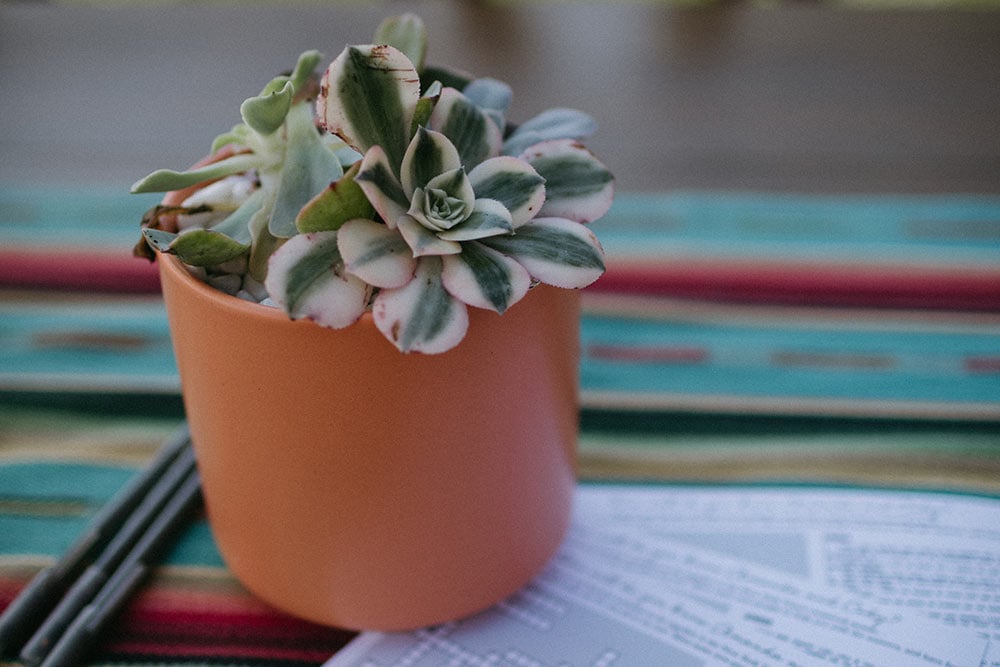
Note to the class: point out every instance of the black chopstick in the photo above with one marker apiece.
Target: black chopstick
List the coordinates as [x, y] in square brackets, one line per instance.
[81, 634]
[27, 611]
[95, 576]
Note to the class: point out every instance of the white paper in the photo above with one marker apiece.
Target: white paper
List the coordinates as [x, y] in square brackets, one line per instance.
[667, 575]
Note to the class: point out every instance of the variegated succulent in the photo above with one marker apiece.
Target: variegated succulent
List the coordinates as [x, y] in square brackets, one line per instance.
[403, 191]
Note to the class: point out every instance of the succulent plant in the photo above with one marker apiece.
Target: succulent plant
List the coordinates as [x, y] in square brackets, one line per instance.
[387, 186]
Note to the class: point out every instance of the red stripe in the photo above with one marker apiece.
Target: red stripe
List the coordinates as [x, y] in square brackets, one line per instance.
[982, 364]
[89, 270]
[804, 284]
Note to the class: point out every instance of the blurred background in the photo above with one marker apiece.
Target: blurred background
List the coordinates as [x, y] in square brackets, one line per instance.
[805, 96]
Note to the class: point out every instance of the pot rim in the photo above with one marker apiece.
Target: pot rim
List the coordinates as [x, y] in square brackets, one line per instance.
[234, 304]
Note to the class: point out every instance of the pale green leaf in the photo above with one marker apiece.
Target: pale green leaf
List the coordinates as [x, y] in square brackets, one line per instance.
[266, 112]
[206, 247]
[407, 33]
[308, 169]
[423, 241]
[165, 180]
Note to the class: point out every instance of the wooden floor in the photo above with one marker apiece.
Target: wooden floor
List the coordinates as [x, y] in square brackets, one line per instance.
[796, 97]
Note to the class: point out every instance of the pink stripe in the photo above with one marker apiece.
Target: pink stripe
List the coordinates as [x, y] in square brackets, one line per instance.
[982, 364]
[88, 270]
[672, 355]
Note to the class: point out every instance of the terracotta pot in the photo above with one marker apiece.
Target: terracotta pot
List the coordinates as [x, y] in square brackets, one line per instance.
[355, 486]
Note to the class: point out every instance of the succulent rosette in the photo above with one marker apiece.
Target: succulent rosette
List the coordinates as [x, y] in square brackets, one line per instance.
[415, 199]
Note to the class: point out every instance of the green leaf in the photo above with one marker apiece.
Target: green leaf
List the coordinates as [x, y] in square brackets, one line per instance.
[422, 316]
[341, 201]
[485, 278]
[474, 134]
[237, 135]
[489, 218]
[512, 182]
[555, 251]
[407, 33]
[158, 239]
[425, 107]
[376, 254]
[237, 224]
[549, 125]
[308, 169]
[429, 155]
[266, 112]
[492, 96]
[381, 186]
[165, 180]
[577, 185]
[368, 96]
[206, 247]
[307, 279]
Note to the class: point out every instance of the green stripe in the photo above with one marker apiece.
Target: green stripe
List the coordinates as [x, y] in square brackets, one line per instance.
[465, 125]
[385, 181]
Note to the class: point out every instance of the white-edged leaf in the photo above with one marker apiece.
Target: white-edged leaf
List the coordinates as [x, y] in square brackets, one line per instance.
[422, 316]
[577, 185]
[512, 182]
[475, 135]
[306, 278]
[485, 278]
[556, 251]
[381, 186]
[429, 154]
[367, 97]
[308, 169]
[548, 125]
[165, 180]
[489, 218]
[376, 254]
[423, 241]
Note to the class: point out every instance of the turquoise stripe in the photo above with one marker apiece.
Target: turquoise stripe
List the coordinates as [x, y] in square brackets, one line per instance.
[81, 489]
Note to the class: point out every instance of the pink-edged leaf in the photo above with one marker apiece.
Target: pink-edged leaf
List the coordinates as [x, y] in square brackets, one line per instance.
[423, 241]
[577, 185]
[429, 154]
[556, 251]
[422, 316]
[381, 186]
[367, 98]
[489, 218]
[512, 182]
[376, 254]
[306, 278]
[485, 278]
[475, 135]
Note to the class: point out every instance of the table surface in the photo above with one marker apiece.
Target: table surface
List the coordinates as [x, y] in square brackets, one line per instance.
[799, 98]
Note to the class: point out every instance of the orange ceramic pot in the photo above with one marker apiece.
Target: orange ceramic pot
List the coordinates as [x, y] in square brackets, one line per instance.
[356, 486]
